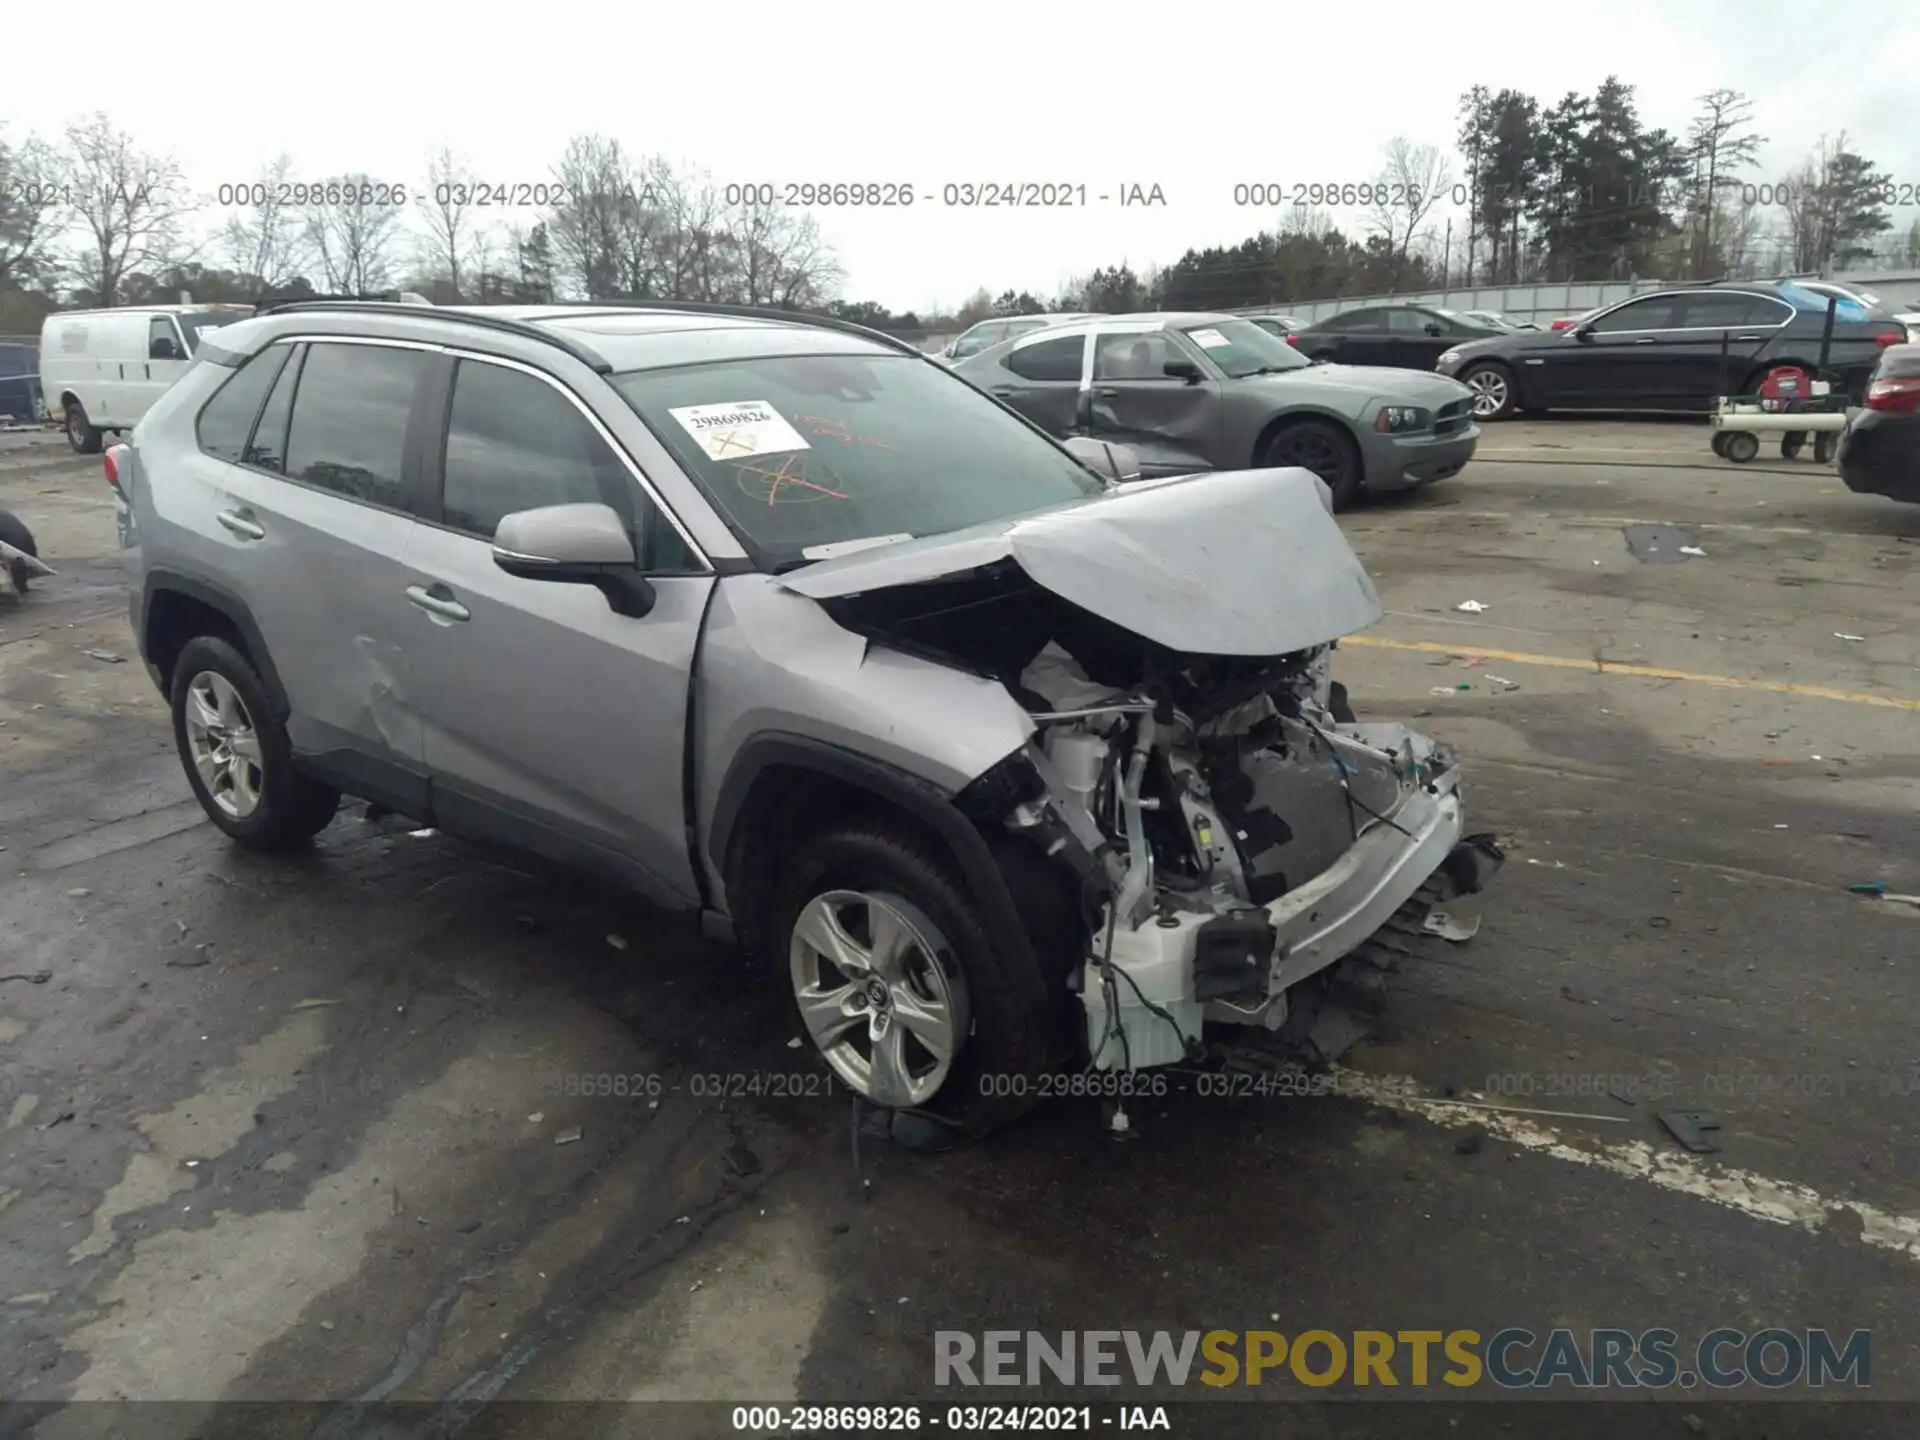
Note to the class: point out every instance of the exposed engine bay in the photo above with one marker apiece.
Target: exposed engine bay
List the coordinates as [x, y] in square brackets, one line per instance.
[1233, 832]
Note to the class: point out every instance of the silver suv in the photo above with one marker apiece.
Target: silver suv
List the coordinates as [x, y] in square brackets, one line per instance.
[1008, 762]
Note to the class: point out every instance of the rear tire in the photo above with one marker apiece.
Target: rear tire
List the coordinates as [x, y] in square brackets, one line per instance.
[1326, 450]
[997, 1027]
[81, 434]
[13, 531]
[236, 753]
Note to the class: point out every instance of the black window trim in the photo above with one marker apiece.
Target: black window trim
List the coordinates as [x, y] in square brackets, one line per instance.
[410, 492]
[253, 421]
[434, 461]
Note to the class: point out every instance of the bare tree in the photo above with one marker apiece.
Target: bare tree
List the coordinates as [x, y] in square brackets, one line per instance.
[1306, 221]
[131, 204]
[267, 236]
[780, 259]
[1737, 230]
[1719, 152]
[589, 229]
[353, 236]
[1413, 182]
[451, 227]
[30, 199]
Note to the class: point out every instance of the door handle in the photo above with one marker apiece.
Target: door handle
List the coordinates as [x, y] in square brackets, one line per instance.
[241, 523]
[1646, 340]
[1005, 390]
[1107, 392]
[445, 606]
[1739, 338]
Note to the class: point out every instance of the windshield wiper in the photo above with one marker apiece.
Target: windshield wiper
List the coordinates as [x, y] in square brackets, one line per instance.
[1270, 370]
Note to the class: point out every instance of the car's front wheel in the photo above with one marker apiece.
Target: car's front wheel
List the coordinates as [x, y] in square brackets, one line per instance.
[898, 984]
[236, 753]
[1492, 387]
[1326, 450]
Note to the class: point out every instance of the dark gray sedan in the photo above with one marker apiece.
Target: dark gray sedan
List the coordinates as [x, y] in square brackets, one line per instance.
[1191, 392]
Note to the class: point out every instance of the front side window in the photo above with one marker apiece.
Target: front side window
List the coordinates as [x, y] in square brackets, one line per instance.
[226, 419]
[514, 442]
[798, 452]
[1135, 357]
[349, 428]
[162, 343]
[1656, 312]
[1410, 322]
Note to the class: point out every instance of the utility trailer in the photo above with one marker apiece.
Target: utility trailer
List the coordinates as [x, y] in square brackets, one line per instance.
[1789, 403]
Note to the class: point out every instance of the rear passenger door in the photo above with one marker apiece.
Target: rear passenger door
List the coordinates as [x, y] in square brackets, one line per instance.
[1042, 376]
[311, 513]
[550, 722]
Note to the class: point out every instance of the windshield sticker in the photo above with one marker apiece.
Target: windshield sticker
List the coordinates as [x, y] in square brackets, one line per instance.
[1209, 339]
[739, 429]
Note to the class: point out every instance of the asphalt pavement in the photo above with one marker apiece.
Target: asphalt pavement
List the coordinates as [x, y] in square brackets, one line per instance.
[406, 1121]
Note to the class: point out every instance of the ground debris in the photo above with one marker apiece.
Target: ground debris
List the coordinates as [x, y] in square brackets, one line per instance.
[1472, 607]
[1439, 922]
[108, 657]
[1691, 1128]
[34, 977]
[567, 1137]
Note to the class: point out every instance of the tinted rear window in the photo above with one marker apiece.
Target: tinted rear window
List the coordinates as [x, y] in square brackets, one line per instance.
[227, 419]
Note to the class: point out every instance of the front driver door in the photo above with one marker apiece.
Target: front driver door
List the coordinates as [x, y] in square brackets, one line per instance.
[550, 721]
[1615, 359]
[1173, 424]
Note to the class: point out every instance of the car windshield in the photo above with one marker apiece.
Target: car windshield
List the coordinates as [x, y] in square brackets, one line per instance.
[805, 454]
[1242, 348]
[193, 325]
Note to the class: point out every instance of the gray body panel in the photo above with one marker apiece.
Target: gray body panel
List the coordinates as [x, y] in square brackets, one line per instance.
[1220, 422]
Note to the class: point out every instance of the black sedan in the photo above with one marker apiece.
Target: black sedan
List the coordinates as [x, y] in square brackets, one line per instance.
[1408, 337]
[1880, 452]
[1672, 350]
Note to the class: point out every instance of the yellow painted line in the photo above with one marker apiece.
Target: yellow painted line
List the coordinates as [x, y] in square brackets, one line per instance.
[1645, 672]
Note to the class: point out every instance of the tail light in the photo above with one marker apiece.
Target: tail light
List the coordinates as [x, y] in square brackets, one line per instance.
[1292, 339]
[1895, 397]
[113, 460]
[1896, 336]
[1561, 324]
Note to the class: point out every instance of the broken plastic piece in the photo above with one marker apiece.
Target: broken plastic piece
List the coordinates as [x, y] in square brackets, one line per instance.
[1692, 1128]
[1440, 923]
[1472, 607]
[1693, 550]
[1839, 636]
[567, 1137]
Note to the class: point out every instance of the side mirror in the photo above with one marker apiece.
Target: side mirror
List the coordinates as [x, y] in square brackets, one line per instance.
[952, 345]
[1581, 332]
[1433, 329]
[575, 545]
[163, 350]
[1183, 370]
[1118, 463]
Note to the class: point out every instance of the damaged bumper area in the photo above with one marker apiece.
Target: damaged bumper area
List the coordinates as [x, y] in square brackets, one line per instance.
[1194, 783]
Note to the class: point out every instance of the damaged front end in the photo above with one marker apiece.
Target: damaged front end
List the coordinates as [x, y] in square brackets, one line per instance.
[1193, 774]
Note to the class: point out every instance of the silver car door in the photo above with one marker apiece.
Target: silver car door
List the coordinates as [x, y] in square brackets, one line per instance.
[551, 721]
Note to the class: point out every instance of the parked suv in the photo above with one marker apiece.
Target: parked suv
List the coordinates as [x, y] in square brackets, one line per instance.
[1001, 761]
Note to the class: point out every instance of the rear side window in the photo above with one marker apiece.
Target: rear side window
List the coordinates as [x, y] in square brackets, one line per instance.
[979, 338]
[268, 448]
[227, 419]
[350, 414]
[1055, 359]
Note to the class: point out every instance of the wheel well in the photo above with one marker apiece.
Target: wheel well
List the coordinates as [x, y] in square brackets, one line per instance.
[173, 619]
[1288, 421]
[786, 806]
[67, 398]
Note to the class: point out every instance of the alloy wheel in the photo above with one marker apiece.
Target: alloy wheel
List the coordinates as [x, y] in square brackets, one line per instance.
[224, 744]
[878, 1002]
[1489, 389]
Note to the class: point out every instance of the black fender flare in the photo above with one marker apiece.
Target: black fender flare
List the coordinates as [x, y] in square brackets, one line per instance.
[918, 798]
[214, 597]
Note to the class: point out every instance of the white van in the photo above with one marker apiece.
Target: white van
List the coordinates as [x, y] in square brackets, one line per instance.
[101, 369]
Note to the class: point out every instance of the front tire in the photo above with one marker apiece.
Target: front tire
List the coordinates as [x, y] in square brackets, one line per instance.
[1326, 450]
[236, 753]
[1493, 390]
[898, 984]
[82, 435]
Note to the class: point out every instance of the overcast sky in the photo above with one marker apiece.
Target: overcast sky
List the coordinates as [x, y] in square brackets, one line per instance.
[986, 91]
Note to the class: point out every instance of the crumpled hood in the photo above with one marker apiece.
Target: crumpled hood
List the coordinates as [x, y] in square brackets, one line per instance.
[1236, 562]
[1400, 387]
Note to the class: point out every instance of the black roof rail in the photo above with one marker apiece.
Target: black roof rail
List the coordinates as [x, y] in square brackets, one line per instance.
[754, 312]
[501, 323]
